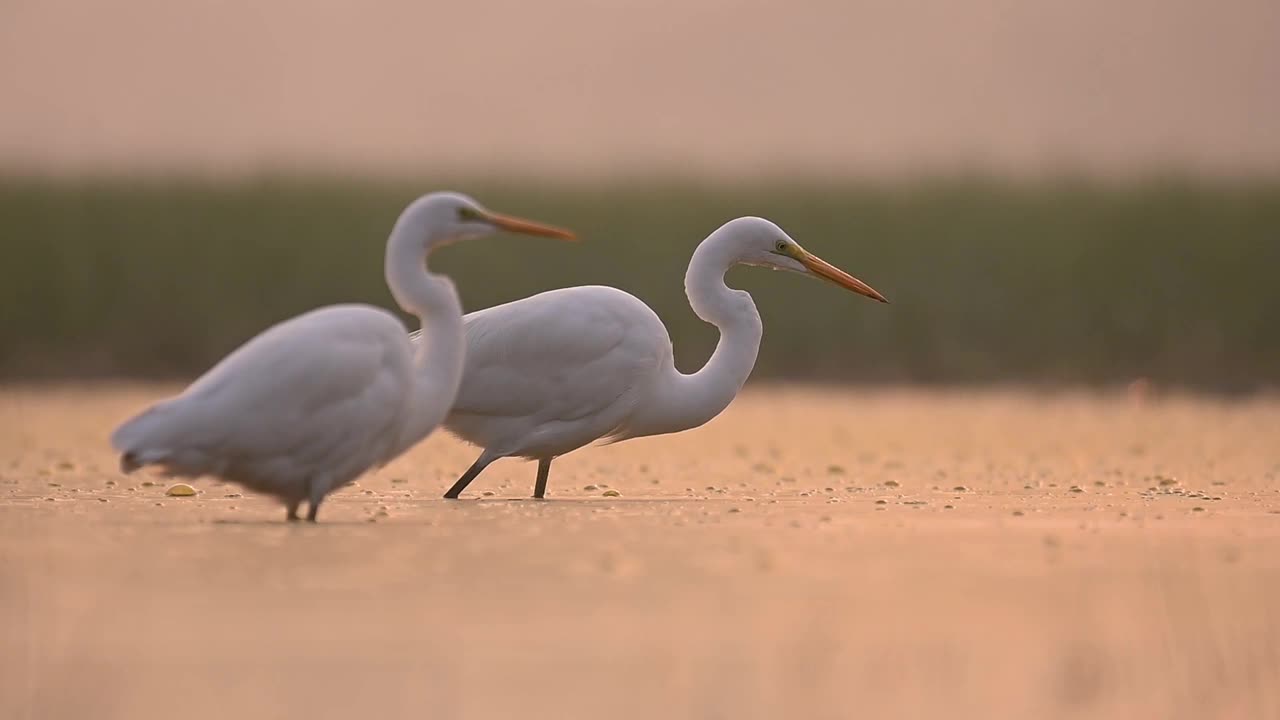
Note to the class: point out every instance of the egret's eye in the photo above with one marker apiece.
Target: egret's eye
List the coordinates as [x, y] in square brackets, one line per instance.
[468, 214]
[781, 246]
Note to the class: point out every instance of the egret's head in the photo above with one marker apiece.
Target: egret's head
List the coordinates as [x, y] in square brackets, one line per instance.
[764, 244]
[441, 218]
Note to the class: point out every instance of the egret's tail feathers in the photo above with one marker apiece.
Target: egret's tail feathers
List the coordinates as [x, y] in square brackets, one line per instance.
[146, 439]
[131, 460]
[139, 431]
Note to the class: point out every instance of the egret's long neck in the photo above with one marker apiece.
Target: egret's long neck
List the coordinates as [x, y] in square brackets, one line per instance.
[433, 298]
[686, 401]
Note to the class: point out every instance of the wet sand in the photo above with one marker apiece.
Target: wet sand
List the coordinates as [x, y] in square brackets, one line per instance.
[812, 553]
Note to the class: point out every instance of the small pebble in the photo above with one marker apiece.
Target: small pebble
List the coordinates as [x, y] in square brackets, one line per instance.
[882, 502]
[891, 483]
[180, 490]
[590, 488]
[611, 493]
[487, 493]
[960, 488]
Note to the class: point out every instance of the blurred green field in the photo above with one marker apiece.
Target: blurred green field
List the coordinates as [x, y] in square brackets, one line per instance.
[1054, 282]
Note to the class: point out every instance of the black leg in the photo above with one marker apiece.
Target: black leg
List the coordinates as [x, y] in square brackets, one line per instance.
[544, 469]
[291, 510]
[476, 468]
[312, 510]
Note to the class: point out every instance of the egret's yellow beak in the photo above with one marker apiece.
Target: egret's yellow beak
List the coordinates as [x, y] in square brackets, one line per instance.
[827, 271]
[527, 227]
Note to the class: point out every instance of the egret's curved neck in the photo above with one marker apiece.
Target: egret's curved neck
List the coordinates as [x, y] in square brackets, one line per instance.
[686, 401]
[434, 299]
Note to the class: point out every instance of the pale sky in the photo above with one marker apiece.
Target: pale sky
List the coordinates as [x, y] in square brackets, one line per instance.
[591, 87]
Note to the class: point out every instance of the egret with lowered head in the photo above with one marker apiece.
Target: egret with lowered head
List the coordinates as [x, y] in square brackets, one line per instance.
[551, 373]
[312, 403]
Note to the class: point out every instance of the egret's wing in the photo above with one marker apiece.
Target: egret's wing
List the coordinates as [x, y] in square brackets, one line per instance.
[331, 376]
[562, 355]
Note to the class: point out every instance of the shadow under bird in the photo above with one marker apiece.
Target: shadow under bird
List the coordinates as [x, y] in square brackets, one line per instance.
[310, 404]
[554, 372]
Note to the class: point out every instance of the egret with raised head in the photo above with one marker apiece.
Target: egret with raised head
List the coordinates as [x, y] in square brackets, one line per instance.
[312, 403]
[554, 372]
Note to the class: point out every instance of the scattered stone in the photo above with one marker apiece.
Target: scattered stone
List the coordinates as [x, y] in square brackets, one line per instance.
[891, 483]
[590, 488]
[734, 510]
[960, 488]
[611, 493]
[180, 490]
[882, 502]
[398, 481]
[835, 470]
[145, 483]
[1018, 513]
[1197, 509]
[487, 493]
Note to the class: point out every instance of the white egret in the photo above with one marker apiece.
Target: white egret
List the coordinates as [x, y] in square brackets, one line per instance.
[554, 372]
[312, 403]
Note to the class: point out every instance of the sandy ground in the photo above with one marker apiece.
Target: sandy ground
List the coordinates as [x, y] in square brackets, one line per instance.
[811, 553]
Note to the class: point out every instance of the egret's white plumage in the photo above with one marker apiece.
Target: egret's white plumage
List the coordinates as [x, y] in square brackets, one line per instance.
[559, 370]
[312, 403]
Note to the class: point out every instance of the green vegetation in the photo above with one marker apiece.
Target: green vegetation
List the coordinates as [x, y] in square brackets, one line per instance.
[1053, 282]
